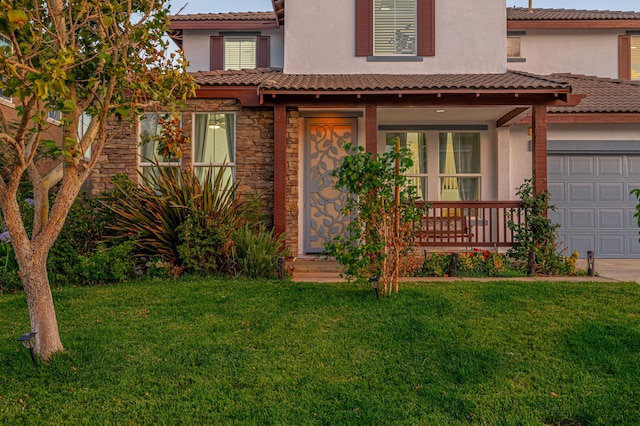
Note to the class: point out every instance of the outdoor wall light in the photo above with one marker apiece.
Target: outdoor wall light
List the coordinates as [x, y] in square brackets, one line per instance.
[28, 340]
[374, 283]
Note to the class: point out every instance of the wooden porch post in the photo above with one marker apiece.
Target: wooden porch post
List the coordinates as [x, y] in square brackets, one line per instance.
[279, 169]
[539, 148]
[371, 128]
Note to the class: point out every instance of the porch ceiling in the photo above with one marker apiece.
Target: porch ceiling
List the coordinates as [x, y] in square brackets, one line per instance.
[450, 115]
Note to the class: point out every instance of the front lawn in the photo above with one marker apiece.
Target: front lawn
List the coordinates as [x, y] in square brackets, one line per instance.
[265, 352]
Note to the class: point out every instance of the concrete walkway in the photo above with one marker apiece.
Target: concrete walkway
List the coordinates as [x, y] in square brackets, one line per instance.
[608, 270]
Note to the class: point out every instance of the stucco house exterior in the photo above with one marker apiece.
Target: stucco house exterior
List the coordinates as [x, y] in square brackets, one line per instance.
[282, 91]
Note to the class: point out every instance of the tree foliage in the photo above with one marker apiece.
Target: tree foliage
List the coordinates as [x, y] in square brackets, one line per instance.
[102, 58]
[381, 205]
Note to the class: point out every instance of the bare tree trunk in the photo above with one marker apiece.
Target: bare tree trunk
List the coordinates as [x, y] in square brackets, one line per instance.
[42, 314]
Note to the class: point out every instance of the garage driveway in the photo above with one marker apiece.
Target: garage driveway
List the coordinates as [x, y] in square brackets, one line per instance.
[616, 269]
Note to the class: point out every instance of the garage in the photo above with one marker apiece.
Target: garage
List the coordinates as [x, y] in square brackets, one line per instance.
[590, 183]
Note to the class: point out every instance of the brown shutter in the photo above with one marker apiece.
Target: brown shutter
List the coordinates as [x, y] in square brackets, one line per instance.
[364, 27]
[217, 53]
[624, 57]
[263, 59]
[426, 28]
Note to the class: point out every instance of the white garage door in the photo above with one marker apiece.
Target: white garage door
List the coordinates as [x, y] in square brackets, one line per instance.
[594, 207]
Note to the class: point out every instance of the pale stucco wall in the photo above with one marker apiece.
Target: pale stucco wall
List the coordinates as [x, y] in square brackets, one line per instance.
[470, 38]
[592, 52]
[196, 45]
[519, 155]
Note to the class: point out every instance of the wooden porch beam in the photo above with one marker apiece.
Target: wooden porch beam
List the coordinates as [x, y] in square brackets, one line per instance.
[280, 169]
[371, 128]
[539, 148]
[510, 117]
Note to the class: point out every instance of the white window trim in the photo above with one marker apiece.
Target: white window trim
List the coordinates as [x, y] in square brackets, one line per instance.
[229, 164]
[6, 100]
[142, 163]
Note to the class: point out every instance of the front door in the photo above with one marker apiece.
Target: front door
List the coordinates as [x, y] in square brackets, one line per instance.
[324, 150]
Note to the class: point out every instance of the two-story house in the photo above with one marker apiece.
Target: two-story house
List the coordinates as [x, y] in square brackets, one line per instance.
[282, 92]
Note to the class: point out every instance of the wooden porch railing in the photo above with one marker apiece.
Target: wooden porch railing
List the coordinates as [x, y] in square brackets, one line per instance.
[469, 224]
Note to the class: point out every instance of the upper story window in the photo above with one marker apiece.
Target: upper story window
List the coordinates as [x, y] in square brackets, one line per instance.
[395, 28]
[55, 115]
[514, 51]
[234, 51]
[629, 56]
[4, 42]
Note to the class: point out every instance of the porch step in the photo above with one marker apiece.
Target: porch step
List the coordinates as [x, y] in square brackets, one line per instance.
[316, 265]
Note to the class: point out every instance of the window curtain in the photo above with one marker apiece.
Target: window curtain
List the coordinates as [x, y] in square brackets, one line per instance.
[231, 137]
[202, 125]
[148, 129]
[466, 157]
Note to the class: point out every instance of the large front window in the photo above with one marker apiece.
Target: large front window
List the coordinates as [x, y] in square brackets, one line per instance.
[446, 165]
[214, 144]
[459, 166]
[150, 129]
[416, 142]
[395, 27]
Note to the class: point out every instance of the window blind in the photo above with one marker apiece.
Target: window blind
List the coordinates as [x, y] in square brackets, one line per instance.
[239, 53]
[395, 27]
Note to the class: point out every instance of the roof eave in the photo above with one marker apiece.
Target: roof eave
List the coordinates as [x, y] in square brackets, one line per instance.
[518, 24]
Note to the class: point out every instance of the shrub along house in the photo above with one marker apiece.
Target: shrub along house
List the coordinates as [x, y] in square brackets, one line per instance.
[279, 98]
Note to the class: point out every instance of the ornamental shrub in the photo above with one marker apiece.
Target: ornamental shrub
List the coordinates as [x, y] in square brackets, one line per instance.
[537, 234]
[256, 252]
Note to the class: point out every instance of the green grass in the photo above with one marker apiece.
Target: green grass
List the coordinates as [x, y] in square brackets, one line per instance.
[261, 352]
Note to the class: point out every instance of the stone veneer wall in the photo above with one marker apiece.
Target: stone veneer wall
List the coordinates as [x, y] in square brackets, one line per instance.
[292, 190]
[254, 156]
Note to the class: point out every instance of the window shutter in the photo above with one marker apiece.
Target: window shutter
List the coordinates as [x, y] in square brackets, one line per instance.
[426, 28]
[217, 53]
[364, 27]
[264, 55]
[624, 57]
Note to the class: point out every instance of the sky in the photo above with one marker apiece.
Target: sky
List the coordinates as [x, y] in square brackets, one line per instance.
[205, 6]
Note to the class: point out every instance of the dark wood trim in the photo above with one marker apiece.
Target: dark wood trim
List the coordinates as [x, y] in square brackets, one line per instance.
[279, 169]
[446, 127]
[263, 51]
[573, 24]
[371, 130]
[330, 114]
[364, 27]
[426, 28]
[539, 148]
[510, 117]
[223, 25]
[216, 53]
[593, 118]
[247, 95]
[624, 57]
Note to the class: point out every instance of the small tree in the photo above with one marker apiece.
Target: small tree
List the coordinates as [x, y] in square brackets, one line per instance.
[104, 58]
[382, 207]
[535, 238]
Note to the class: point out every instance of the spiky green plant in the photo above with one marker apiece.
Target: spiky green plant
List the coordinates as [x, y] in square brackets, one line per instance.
[154, 212]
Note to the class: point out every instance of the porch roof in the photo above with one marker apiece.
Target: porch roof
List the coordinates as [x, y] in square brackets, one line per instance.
[604, 95]
[268, 80]
[519, 18]
[539, 14]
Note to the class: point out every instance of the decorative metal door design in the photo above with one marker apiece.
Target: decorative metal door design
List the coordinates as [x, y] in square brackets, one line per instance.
[325, 140]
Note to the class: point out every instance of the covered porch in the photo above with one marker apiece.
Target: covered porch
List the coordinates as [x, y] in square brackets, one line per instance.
[375, 105]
